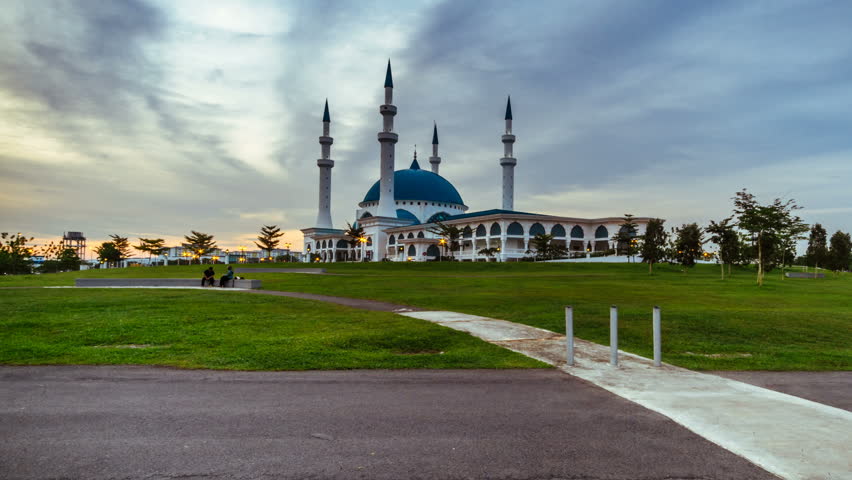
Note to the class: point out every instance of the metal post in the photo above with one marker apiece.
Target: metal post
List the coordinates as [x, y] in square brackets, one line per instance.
[613, 336]
[569, 334]
[658, 355]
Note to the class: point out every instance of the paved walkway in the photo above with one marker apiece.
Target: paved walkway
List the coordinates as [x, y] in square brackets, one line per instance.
[111, 422]
[786, 435]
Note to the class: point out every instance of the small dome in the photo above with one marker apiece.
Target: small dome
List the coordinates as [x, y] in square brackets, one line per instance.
[415, 184]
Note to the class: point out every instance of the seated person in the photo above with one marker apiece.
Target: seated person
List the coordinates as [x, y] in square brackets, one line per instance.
[228, 276]
[209, 277]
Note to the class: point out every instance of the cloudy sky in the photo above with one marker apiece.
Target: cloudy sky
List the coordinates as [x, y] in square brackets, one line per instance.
[151, 118]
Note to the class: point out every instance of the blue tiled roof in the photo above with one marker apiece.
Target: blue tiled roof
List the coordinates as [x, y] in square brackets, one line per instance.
[406, 215]
[416, 184]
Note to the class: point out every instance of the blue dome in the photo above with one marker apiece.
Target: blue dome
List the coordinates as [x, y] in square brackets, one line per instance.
[416, 184]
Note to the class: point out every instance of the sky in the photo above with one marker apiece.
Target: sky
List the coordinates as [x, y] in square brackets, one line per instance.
[154, 118]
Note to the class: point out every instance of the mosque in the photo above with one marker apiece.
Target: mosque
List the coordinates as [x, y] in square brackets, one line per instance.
[399, 212]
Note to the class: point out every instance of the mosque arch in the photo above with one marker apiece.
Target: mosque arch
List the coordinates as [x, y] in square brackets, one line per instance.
[410, 235]
[342, 244]
[577, 232]
[557, 231]
[324, 245]
[369, 241]
[480, 231]
[367, 215]
[392, 240]
[601, 232]
[537, 229]
[420, 235]
[433, 251]
[467, 232]
[495, 229]
[515, 228]
[412, 252]
[438, 217]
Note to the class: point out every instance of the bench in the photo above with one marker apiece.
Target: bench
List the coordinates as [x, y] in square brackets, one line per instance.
[158, 282]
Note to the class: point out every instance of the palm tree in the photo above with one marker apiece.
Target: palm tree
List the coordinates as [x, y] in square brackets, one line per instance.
[488, 252]
[355, 234]
[545, 248]
[449, 234]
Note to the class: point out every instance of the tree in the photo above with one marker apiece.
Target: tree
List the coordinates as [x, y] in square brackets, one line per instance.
[724, 235]
[200, 243]
[153, 246]
[788, 236]
[488, 252]
[122, 245]
[355, 234]
[765, 223]
[268, 238]
[653, 248]
[840, 253]
[687, 245]
[625, 240]
[450, 235]
[14, 254]
[545, 249]
[107, 252]
[817, 252]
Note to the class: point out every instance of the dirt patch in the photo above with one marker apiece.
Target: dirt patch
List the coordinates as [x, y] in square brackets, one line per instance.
[132, 345]
[719, 355]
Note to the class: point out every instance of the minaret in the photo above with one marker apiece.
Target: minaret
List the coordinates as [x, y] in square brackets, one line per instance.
[435, 160]
[387, 139]
[325, 165]
[508, 162]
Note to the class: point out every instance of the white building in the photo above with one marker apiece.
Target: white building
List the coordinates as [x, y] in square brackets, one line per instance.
[401, 208]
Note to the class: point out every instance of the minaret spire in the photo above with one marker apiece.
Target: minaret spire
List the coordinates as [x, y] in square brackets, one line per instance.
[508, 162]
[435, 160]
[387, 139]
[325, 165]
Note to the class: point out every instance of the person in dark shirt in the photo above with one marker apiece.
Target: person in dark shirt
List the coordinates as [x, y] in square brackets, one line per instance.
[209, 277]
[228, 276]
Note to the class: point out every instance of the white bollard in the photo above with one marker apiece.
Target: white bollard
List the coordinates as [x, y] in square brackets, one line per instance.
[658, 355]
[569, 334]
[613, 336]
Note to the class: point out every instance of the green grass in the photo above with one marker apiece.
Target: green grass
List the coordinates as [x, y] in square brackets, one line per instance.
[226, 330]
[708, 324]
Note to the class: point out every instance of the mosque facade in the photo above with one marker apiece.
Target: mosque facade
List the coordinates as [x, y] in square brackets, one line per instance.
[400, 211]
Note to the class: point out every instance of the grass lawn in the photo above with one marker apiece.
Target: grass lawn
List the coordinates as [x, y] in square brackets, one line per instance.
[708, 324]
[226, 330]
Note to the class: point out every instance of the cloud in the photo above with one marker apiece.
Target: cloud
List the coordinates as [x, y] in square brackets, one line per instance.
[156, 117]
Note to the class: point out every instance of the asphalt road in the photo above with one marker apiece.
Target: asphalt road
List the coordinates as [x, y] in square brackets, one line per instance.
[829, 388]
[139, 422]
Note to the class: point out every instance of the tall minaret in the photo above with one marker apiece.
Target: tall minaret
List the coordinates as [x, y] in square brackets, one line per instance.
[435, 160]
[508, 161]
[387, 139]
[325, 165]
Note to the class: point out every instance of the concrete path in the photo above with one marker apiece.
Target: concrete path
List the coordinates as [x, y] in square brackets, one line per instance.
[112, 422]
[789, 436]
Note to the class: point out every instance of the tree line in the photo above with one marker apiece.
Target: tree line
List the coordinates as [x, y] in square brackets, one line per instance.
[16, 253]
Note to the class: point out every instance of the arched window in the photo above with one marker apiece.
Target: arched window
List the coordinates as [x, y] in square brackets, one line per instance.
[433, 251]
[366, 215]
[467, 232]
[322, 245]
[342, 244]
[537, 229]
[515, 228]
[420, 235]
[495, 229]
[369, 241]
[557, 231]
[601, 232]
[392, 240]
[577, 232]
[410, 235]
[412, 251]
[438, 217]
[480, 231]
